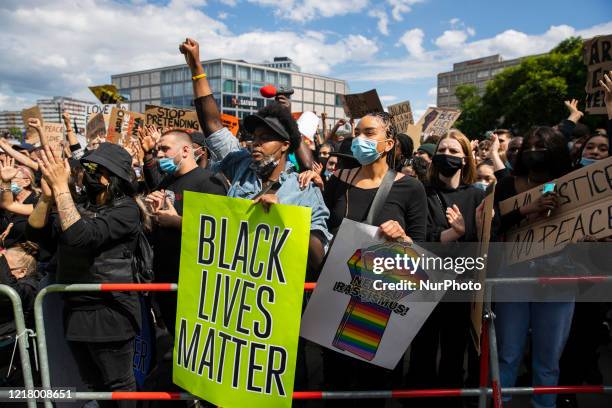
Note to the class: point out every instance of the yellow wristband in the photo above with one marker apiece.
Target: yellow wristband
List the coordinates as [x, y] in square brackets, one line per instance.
[198, 76]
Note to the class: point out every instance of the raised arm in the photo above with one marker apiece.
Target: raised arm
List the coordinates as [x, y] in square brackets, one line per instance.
[208, 112]
[36, 125]
[8, 171]
[606, 83]
[332, 133]
[19, 157]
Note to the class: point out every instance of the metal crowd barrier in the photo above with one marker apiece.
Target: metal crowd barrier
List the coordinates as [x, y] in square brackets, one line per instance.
[21, 337]
[488, 359]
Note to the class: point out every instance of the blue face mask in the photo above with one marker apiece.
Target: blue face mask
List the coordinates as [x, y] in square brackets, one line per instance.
[585, 162]
[481, 185]
[168, 166]
[364, 150]
[15, 188]
[327, 174]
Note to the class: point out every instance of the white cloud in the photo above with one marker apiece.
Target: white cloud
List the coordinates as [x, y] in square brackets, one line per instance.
[388, 98]
[222, 15]
[383, 20]
[412, 40]
[399, 7]
[57, 48]
[451, 39]
[432, 91]
[305, 10]
[231, 3]
[426, 64]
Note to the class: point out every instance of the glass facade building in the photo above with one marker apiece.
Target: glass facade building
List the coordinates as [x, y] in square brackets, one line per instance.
[235, 86]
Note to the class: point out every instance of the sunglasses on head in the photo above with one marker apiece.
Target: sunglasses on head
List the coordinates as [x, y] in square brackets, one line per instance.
[91, 168]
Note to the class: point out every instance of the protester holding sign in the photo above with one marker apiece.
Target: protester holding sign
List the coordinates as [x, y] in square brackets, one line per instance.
[177, 163]
[265, 175]
[94, 244]
[454, 209]
[543, 156]
[375, 194]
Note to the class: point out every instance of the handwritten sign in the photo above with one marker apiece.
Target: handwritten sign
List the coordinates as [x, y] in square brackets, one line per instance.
[358, 105]
[597, 55]
[401, 116]
[162, 117]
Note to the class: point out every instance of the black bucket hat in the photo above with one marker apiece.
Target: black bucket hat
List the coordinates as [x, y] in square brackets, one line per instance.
[114, 158]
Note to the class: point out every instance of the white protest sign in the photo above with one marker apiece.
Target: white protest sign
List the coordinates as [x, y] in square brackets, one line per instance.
[349, 314]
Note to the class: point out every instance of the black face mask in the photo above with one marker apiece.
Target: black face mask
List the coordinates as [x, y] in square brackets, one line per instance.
[447, 165]
[323, 162]
[535, 159]
[92, 185]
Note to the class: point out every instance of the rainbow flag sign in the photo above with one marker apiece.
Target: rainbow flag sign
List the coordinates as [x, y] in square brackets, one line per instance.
[365, 308]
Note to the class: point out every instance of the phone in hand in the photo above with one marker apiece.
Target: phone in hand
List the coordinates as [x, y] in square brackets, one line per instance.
[548, 188]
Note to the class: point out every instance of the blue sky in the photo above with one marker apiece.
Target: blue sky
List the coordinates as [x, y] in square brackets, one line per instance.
[397, 46]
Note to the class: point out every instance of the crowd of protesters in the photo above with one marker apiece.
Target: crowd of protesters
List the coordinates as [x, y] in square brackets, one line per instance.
[99, 213]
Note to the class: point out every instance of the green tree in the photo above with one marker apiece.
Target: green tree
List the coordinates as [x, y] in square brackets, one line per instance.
[15, 132]
[528, 94]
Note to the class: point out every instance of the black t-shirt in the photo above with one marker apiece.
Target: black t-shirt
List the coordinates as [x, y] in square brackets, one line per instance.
[167, 241]
[406, 204]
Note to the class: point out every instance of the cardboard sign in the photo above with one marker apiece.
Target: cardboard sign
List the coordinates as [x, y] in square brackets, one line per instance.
[54, 133]
[437, 121]
[358, 105]
[350, 314]
[483, 250]
[585, 208]
[401, 116]
[597, 55]
[96, 127]
[232, 123]
[107, 94]
[31, 134]
[123, 127]
[241, 285]
[415, 134]
[104, 108]
[161, 118]
[576, 189]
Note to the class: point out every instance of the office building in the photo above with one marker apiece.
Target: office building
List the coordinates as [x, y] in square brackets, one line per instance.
[51, 109]
[235, 86]
[475, 72]
[10, 120]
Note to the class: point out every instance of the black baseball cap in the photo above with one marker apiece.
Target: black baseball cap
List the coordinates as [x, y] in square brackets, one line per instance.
[251, 123]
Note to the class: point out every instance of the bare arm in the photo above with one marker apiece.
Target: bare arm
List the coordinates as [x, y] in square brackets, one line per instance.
[40, 215]
[70, 134]
[56, 173]
[20, 157]
[208, 112]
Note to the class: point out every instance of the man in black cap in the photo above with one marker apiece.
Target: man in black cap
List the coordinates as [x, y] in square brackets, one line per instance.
[265, 174]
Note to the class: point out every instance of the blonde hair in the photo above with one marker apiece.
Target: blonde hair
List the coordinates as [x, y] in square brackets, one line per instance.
[468, 172]
[29, 173]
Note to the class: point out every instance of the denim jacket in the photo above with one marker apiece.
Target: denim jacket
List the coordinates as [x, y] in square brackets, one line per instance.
[234, 162]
